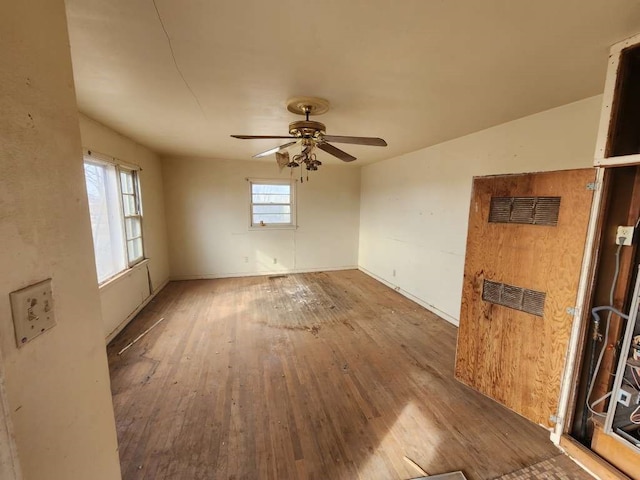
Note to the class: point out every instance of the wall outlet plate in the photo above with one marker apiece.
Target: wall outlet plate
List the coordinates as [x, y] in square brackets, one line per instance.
[626, 234]
[628, 396]
[32, 310]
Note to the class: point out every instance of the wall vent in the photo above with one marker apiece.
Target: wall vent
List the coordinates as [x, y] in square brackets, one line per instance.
[518, 298]
[525, 210]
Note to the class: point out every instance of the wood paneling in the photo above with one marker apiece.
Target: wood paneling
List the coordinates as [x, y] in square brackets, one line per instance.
[603, 469]
[313, 376]
[616, 453]
[515, 357]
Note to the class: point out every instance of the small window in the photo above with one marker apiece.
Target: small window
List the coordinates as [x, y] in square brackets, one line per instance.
[132, 214]
[272, 203]
[116, 216]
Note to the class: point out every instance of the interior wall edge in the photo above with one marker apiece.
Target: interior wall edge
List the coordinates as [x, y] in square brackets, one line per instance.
[128, 292]
[414, 208]
[114, 333]
[209, 229]
[412, 297]
[58, 384]
[213, 276]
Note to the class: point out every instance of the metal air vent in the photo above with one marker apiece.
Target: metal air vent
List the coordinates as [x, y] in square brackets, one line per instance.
[525, 210]
[518, 298]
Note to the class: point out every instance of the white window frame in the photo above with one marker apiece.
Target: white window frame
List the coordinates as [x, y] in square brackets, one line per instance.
[90, 156]
[292, 203]
[137, 201]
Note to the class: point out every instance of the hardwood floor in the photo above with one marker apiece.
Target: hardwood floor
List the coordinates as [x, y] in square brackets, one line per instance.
[310, 376]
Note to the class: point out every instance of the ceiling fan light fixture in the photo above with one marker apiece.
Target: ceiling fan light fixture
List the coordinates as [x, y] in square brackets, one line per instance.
[310, 135]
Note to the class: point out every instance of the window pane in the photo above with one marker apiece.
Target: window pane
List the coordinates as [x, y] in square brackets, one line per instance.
[126, 181]
[274, 218]
[134, 248]
[106, 225]
[275, 193]
[133, 227]
[129, 205]
[271, 204]
[272, 209]
[270, 198]
[282, 189]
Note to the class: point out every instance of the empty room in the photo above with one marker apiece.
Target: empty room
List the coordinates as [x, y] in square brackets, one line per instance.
[320, 240]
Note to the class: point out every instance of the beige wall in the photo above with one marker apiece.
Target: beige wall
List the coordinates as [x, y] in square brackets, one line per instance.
[207, 204]
[414, 208]
[122, 297]
[58, 384]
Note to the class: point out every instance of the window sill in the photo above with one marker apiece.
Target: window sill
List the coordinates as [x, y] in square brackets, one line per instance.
[272, 227]
[119, 276]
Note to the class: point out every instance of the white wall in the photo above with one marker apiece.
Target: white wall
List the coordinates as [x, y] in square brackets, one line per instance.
[414, 208]
[207, 205]
[58, 384]
[122, 297]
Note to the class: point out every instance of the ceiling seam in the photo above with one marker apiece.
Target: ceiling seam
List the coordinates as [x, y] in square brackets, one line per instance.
[175, 62]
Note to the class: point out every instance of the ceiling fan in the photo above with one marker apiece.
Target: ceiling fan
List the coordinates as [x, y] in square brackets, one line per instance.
[310, 135]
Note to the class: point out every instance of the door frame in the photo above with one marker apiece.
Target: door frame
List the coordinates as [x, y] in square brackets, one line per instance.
[9, 463]
[571, 372]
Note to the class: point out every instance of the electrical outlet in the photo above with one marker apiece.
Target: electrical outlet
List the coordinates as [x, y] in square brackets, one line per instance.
[624, 397]
[624, 235]
[628, 396]
[32, 310]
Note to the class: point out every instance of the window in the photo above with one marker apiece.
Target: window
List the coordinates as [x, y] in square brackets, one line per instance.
[116, 216]
[132, 214]
[272, 203]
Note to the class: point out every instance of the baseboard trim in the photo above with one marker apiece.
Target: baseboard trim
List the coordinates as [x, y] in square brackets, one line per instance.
[412, 297]
[126, 321]
[259, 274]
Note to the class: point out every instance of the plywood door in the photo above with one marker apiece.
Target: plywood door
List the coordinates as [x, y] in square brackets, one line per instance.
[515, 357]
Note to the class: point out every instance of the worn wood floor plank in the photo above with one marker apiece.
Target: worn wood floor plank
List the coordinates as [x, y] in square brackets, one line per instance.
[311, 376]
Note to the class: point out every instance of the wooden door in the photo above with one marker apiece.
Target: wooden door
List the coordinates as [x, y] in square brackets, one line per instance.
[521, 276]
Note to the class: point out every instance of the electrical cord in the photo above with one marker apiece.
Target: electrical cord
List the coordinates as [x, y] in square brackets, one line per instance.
[635, 416]
[636, 377]
[596, 318]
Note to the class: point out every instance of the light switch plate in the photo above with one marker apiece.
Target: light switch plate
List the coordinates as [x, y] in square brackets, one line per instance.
[32, 310]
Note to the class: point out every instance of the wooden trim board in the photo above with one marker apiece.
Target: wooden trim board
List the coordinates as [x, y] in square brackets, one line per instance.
[616, 453]
[591, 462]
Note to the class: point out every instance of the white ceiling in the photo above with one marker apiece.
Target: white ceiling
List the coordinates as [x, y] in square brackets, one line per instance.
[415, 72]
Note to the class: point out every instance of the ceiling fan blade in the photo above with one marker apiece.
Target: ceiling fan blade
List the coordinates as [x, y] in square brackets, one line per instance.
[274, 149]
[254, 137]
[371, 141]
[336, 152]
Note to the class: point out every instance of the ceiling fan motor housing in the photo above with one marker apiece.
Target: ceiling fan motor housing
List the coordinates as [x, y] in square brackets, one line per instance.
[306, 129]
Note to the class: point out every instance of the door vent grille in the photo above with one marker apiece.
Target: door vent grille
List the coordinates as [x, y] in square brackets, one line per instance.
[510, 296]
[525, 210]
